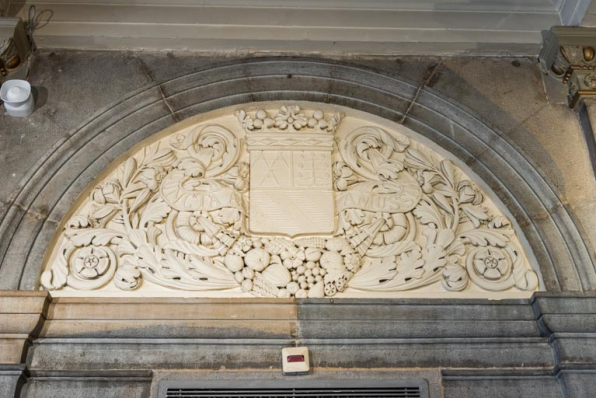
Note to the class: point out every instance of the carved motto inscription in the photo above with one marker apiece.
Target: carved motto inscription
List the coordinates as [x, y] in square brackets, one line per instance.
[288, 202]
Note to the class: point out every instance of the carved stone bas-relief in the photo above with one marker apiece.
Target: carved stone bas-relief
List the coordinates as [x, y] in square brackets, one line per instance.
[288, 201]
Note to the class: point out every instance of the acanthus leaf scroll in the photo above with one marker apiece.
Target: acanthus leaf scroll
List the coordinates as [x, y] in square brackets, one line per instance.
[177, 214]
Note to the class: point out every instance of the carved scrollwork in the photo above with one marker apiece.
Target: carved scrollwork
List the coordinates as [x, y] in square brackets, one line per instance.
[176, 214]
[213, 150]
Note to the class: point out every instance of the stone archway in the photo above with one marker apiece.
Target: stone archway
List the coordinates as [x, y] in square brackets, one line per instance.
[555, 241]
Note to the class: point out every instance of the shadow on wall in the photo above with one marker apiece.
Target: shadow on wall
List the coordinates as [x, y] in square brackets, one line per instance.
[445, 76]
[40, 95]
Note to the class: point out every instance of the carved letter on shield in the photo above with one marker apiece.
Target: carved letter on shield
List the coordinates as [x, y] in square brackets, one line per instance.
[291, 190]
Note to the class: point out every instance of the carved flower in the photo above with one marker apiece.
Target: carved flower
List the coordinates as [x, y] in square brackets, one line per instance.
[427, 180]
[107, 193]
[151, 176]
[352, 262]
[293, 259]
[344, 176]
[469, 193]
[354, 216]
[455, 278]
[243, 244]
[238, 176]
[91, 262]
[127, 277]
[492, 263]
[290, 116]
[245, 120]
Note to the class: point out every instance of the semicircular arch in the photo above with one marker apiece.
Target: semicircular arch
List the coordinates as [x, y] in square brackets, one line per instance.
[556, 242]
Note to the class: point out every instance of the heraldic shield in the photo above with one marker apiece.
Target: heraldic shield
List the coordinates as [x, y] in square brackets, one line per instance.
[291, 189]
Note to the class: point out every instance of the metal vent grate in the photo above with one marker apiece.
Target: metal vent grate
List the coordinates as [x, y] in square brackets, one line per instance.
[382, 392]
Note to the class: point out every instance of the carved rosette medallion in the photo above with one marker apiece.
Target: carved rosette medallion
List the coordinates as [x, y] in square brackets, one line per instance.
[288, 202]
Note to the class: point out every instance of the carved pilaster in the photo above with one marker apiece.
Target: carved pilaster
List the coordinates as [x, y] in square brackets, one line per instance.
[569, 56]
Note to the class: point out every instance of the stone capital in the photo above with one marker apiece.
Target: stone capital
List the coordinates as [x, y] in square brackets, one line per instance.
[569, 56]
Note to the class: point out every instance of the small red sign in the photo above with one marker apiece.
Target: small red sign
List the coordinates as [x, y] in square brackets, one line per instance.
[295, 358]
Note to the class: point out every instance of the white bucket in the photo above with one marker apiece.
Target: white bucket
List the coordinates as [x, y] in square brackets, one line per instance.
[17, 98]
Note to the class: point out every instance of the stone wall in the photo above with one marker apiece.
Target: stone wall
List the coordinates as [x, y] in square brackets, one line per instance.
[4, 4]
[491, 113]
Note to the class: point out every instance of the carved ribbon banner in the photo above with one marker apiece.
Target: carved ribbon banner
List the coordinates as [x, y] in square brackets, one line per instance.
[398, 202]
[288, 203]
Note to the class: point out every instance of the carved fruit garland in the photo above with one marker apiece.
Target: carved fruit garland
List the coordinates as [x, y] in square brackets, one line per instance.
[176, 215]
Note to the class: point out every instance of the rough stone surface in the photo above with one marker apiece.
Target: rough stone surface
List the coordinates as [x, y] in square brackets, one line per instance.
[579, 384]
[70, 87]
[10, 383]
[501, 388]
[106, 388]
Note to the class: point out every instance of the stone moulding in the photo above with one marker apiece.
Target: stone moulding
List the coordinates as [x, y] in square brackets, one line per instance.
[66, 343]
[288, 200]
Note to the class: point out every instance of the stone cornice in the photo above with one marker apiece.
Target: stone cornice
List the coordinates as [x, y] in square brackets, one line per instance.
[323, 322]
[88, 339]
[21, 317]
[380, 27]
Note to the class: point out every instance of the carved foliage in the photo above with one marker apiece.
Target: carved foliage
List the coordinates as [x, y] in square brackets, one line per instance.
[176, 215]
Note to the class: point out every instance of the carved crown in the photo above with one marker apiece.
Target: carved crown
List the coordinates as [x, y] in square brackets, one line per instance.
[289, 119]
[267, 131]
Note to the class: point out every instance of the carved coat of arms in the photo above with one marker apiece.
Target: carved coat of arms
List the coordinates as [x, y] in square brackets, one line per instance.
[291, 190]
[288, 206]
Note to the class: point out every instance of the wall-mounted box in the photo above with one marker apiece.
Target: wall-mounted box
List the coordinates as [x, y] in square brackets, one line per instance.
[295, 361]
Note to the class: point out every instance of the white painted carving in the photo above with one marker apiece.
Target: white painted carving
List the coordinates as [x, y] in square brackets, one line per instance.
[285, 202]
[291, 190]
